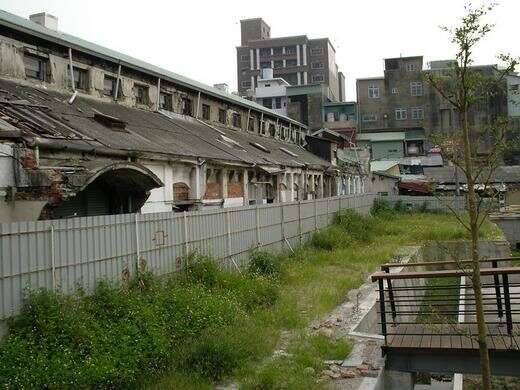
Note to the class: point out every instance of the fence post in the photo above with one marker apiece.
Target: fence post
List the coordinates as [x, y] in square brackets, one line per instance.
[137, 247]
[228, 234]
[300, 220]
[185, 227]
[315, 214]
[257, 217]
[53, 260]
[328, 218]
[282, 227]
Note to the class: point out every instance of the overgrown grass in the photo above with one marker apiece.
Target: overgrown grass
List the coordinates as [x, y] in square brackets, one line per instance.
[207, 324]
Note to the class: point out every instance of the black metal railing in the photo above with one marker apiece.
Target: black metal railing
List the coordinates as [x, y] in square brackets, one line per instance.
[441, 297]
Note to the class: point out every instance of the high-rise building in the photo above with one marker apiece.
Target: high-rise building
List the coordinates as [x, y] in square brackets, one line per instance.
[297, 59]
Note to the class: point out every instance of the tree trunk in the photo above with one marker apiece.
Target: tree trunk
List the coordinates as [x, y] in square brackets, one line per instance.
[476, 282]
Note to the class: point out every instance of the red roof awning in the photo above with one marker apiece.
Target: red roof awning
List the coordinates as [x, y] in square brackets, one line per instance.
[415, 186]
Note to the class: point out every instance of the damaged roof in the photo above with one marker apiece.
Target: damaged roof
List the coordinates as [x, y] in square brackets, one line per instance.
[27, 26]
[45, 117]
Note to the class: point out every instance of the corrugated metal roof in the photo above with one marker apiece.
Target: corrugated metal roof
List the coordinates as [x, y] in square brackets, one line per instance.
[381, 166]
[446, 175]
[378, 137]
[25, 25]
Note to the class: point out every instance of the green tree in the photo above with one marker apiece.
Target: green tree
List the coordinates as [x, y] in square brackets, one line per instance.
[475, 150]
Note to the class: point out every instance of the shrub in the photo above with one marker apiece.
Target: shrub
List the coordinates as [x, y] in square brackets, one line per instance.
[215, 355]
[264, 263]
[331, 238]
[357, 226]
[400, 207]
[203, 270]
[382, 209]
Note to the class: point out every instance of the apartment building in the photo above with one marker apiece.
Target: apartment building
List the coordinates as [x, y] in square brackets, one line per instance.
[398, 112]
[86, 130]
[297, 59]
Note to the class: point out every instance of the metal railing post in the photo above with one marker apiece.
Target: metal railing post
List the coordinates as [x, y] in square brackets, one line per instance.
[390, 295]
[507, 303]
[496, 280]
[382, 307]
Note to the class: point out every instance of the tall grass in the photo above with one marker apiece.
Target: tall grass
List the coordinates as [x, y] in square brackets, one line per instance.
[207, 324]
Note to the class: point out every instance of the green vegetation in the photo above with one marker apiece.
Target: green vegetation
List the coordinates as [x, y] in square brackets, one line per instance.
[206, 324]
[440, 302]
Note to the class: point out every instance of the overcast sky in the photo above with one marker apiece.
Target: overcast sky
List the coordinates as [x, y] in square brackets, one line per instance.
[198, 38]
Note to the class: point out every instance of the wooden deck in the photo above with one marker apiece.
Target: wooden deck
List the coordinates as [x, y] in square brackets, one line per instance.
[450, 337]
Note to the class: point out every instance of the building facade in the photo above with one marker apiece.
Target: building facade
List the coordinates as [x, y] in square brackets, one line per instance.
[409, 111]
[85, 130]
[297, 59]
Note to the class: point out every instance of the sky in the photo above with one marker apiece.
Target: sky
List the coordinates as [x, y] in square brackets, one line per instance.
[198, 39]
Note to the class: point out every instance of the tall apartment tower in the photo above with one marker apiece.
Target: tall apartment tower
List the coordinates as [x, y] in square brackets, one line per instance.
[297, 59]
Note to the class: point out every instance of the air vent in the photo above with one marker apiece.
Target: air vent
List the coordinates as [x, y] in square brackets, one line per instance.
[111, 122]
[260, 147]
[286, 151]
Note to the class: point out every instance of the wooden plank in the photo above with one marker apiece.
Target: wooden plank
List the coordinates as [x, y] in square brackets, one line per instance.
[418, 330]
[426, 339]
[447, 330]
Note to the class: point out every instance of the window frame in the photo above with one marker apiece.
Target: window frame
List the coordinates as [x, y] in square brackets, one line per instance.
[400, 114]
[318, 78]
[415, 113]
[206, 111]
[138, 98]
[169, 99]
[222, 116]
[42, 65]
[316, 51]
[82, 82]
[416, 88]
[317, 65]
[113, 89]
[369, 117]
[236, 120]
[411, 67]
[373, 91]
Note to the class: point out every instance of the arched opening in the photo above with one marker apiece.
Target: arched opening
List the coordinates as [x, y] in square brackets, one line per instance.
[115, 189]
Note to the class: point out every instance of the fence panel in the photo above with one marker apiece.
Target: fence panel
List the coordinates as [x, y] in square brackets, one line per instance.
[79, 252]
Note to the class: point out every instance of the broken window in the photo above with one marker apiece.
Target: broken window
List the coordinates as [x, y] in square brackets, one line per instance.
[187, 106]
[222, 114]
[80, 78]
[206, 112]
[272, 129]
[251, 125]
[141, 94]
[165, 101]
[109, 85]
[237, 120]
[265, 64]
[34, 67]
[278, 64]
